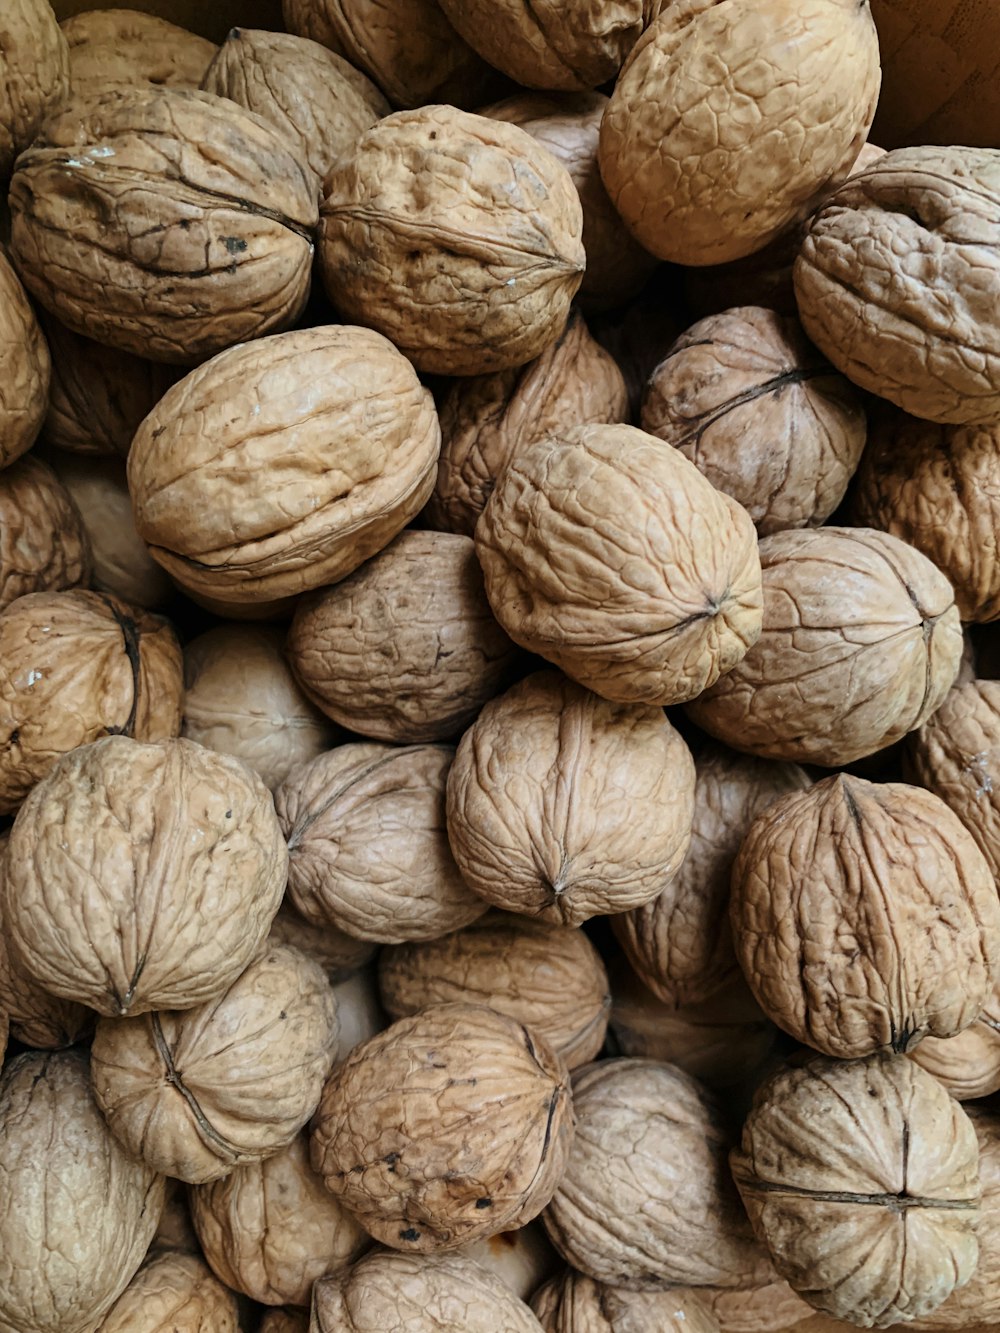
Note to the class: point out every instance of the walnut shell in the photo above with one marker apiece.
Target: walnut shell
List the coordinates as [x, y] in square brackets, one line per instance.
[75, 666]
[34, 74]
[897, 282]
[967, 1064]
[339, 955]
[174, 1292]
[282, 465]
[165, 223]
[406, 648]
[547, 978]
[359, 1010]
[176, 1230]
[521, 1259]
[271, 1228]
[862, 1179]
[608, 553]
[679, 942]
[488, 419]
[477, 231]
[242, 699]
[745, 397]
[646, 1201]
[765, 1309]
[285, 1321]
[25, 368]
[200, 1092]
[572, 1303]
[564, 806]
[861, 643]
[707, 158]
[36, 1018]
[368, 850]
[118, 858]
[450, 1126]
[865, 917]
[77, 1212]
[43, 540]
[123, 47]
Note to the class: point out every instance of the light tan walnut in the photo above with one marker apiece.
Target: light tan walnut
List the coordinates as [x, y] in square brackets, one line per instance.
[968, 1064]
[572, 1303]
[172, 1292]
[34, 74]
[44, 546]
[124, 47]
[764, 1309]
[25, 367]
[521, 1259]
[339, 955]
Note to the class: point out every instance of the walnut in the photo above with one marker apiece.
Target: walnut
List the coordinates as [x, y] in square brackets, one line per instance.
[119, 857]
[564, 806]
[339, 955]
[36, 1018]
[646, 1201]
[764, 1309]
[34, 74]
[897, 282]
[861, 643]
[77, 1212]
[271, 1228]
[165, 223]
[679, 942]
[75, 666]
[176, 1230]
[25, 366]
[572, 1303]
[745, 397]
[284, 464]
[521, 1259]
[862, 1179]
[359, 1010]
[123, 47]
[285, 1321]
[43, 540]
[608, 553]
[708, 158]
[548, 978]
[488, 419]
[406, 648]
[967, 1064]
[865, 917]
[368, 850]
[477, 229]
[450, 1126]
[199, 1092]
[171, 1292]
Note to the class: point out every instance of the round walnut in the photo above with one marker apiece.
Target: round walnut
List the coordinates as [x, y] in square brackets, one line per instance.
[36, 1018]
[478, 234]
[745, 397]
[897, 282]
[118, 859]
[282, 465]
[608, 553]
[271, 1228]
[406, 649]
[25, 365]
[450, 1126]
[367, 844]
[679, 943]
[564, 806]
[43, 540]
[862, 1179]
[339, 955]
[861, 643]
[572, 1303]
[487, 419]
[77, 1211]
[172, 1292]
[709, 158]
[548, 978]
[646, 1200]
[764, 1309]
[111, 48]
[200, 1092]
[242, 699]
[967, 1064]
[34, 74]
[76, 666]
[165, 223]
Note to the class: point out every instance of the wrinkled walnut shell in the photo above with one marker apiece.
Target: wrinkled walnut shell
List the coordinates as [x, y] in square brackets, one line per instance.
[34, 74]
[25, 368]
[124, 47]
[338, 954]
[572, 1303]
[171, 1292]
[43, 540]
[967, 1064]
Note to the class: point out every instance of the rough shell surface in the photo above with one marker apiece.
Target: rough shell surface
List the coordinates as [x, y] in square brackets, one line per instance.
[337, 954]
[170, 1293]
[34, 73]
[25, 368]
[43, 540]
[968, 1064]
[572, 1303]
[763, 1309]
[112, 47]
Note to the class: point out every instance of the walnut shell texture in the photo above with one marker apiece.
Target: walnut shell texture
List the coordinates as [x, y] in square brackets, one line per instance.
[25, 368]
[112, 47]
[34, 74]
[37, 1019]
[387, 1137]
[572, 1303]
[171, 1292]
[338, 954]
[763, 1309]
[43, 540]
[968, 1064]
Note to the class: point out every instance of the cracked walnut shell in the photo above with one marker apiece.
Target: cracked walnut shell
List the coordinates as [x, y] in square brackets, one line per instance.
[25, 367]
[124, 47]
[44, 545]
[34, 73]
[572, 1303]
[170, 1293]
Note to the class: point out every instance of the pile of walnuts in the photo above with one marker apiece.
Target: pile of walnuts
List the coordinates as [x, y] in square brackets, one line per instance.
[499, 714]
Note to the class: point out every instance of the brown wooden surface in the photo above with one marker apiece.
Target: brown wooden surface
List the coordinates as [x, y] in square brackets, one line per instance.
[212, 18]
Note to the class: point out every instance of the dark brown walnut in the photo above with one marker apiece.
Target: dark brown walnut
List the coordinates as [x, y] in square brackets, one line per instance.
[242, 699]
[865, 917]
[646, 1201]
[285, 1320]
[43, 540]
[200, 1092]
[36, 1018]
[967, 1064]
[861, 642]
[142, 876]
[751, 403]
[608, 553]
[897, 282]
[488, 419]
[25, 367]
[938, 488]
[564, 806]
[548, 978]
[367, 843]
[521, 1259]
[708, 159]
[34, 74]
[339, 955]
[861, 1178]
[318, 101]
[569, 127]
[406, 648]
[477, 233]
[572, 1303]
[164, 223]
[679, 943]
[109, 48]
[172, 1292]
[271, 1228]
[77, 1211]
[176, 1230]
[76, 666]
[450, 1126]
[284, 464]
